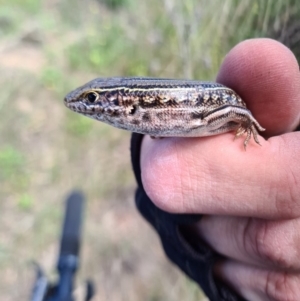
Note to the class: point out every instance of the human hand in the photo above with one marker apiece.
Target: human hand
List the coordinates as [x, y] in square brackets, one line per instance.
[250, 200]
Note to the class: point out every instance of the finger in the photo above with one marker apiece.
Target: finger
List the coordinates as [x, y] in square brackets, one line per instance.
[259, 284]
[266, 75]
[269, 244]
[216, 176]
[213, 175]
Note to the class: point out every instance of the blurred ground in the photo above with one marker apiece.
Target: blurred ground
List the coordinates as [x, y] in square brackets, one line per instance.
[50, 47]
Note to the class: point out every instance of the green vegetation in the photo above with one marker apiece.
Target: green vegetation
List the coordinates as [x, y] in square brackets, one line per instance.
[53, 79]
[11, 162]
[50, 47]
[12, 170]
[25, 201]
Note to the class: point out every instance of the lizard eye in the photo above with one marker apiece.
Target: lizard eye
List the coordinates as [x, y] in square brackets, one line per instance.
[92, 97]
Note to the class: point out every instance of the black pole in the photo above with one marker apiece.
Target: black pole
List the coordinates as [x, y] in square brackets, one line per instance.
[68, 260]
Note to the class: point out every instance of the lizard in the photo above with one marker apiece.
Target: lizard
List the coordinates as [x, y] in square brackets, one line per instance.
[165, 107]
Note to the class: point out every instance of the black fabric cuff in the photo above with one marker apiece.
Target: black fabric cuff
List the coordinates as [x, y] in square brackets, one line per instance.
[195, 258]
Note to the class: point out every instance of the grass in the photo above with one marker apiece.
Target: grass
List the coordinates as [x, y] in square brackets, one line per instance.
[50, 47]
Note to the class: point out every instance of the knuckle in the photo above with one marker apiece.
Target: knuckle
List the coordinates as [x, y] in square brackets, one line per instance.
[282, 286]
[270, 247]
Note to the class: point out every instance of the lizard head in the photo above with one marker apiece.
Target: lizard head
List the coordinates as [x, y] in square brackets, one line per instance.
[101, 99]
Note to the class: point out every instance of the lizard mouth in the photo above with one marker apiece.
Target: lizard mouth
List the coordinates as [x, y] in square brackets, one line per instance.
[69, 104]
[66, 102]
[73, 105]
[80, 107]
